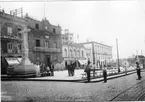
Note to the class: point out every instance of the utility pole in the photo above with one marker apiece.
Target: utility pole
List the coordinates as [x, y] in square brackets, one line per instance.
[117, 56]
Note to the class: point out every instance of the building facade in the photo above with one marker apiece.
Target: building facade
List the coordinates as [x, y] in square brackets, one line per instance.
[100, 53]
[73, 51]
[11, 39]
[44, 39]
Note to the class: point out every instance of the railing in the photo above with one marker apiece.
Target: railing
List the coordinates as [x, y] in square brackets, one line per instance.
[10, 37]
[43, 49]
[11, 54]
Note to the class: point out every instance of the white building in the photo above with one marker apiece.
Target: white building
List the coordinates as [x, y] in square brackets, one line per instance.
[100, 53]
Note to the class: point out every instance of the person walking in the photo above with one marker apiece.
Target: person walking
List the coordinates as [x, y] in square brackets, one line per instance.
[138, 71]
[87, 70]
[105, 73]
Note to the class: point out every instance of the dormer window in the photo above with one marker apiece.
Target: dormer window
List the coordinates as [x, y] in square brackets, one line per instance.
[54, 30]
[37, 26]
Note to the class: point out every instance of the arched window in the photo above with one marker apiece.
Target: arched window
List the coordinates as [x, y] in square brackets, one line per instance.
[65, 52]
[70, 53]
[78, 53]
[75, 53]
[82, 53]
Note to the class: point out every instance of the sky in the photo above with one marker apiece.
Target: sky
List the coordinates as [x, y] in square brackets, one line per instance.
[100, 21]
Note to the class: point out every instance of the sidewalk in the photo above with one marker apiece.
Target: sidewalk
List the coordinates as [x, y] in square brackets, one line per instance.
[63, 76]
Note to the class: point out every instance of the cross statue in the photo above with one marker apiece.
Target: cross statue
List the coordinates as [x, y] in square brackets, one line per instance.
[25, 48]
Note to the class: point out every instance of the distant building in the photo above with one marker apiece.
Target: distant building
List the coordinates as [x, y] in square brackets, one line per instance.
[67, 37]
[73, 51]
[100, 53]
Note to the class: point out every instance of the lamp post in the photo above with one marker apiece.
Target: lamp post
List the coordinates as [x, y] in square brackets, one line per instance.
[117, 56]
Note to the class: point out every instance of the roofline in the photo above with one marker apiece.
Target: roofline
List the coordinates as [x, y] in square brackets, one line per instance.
[95, 42]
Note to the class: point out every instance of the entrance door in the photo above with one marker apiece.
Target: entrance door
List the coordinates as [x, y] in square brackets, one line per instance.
[48, 60]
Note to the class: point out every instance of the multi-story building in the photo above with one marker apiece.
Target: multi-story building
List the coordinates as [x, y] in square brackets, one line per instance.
[73, 51]
[11, 39]
[44, 39]
[100, 53]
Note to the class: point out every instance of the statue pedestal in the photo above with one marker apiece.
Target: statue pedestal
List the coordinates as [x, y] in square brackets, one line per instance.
[25, 68]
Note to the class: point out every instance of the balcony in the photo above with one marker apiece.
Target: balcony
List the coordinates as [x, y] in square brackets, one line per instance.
[43, 49]
[12, 54]
[10, 38]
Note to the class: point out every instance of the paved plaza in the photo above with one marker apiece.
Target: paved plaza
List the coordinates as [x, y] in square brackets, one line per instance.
[122, 88]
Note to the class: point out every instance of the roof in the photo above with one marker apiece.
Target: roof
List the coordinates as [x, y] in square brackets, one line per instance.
[95, 42]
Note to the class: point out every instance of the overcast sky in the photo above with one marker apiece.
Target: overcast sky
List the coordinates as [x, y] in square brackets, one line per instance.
[101, 21]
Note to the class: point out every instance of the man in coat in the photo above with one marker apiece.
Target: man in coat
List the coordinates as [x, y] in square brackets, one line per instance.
[138, 71]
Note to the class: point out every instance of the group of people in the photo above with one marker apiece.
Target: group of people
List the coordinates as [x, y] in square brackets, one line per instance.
[88, 71]
[70, 66]
[104, 71]
[42, 69]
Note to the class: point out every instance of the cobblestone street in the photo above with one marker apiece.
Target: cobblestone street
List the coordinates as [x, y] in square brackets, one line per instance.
[124, 88]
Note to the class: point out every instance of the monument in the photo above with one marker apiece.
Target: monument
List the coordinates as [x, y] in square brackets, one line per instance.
[25, 67]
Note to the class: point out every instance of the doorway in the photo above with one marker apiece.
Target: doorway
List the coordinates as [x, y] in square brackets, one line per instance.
[48, 61]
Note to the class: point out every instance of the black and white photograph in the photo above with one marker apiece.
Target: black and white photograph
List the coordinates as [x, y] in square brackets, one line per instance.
[72, 50]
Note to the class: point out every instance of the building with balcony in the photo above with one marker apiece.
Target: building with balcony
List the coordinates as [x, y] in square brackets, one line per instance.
[101, 53]
[44, 41]
[11, 39]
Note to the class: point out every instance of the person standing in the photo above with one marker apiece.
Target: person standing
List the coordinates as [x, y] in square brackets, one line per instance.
[69, 68]
[73, 68]
[105, 74]
[87, 70]
[38, 74]
[138, 71]
[52, 69]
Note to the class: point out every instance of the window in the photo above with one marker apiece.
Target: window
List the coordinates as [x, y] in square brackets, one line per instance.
[37, 26]
[9, 30]
[82, 53]
[46, 44]
[19, 34]
[10, 47]
[65, 52]
[20, 47]
[37, 43]
[0, 28]
[74, 53]
[70, 53]
[54, 30]
[78, 53]
[54, 45]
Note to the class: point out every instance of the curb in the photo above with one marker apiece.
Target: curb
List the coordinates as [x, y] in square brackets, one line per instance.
[59, 80]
